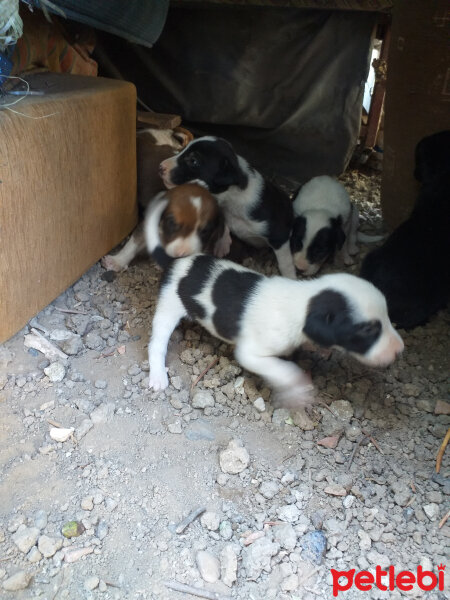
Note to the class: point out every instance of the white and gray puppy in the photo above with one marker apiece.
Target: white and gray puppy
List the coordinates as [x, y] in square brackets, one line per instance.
[266, 318]
[325, 222]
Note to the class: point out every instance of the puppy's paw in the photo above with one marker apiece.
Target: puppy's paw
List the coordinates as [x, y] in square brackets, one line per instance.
[222, 247]
[111, 264]
[296, 396]
[158, 380]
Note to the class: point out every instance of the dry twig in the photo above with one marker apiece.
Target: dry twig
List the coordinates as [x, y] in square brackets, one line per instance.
[203, 373]
[189, 518]
[373, 440]
[176, 586]
[443, 521]
[440, 454]
[358, 444]
[70, 311]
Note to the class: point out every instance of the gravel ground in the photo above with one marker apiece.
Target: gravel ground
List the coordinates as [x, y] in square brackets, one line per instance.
[286, 497]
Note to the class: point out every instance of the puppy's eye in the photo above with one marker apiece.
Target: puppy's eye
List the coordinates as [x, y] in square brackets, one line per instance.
[206, 231]
[193, 160]
[169, 225]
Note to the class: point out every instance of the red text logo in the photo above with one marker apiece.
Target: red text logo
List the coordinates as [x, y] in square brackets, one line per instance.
[387, 580]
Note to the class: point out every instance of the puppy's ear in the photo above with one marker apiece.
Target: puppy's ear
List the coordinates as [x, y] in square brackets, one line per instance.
[326, 314]
[228, 173]
[336, 226]
[298, 234]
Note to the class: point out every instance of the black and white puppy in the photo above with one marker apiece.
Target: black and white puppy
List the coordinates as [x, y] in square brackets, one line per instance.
[325, 225]
[266, 318]
[255, 210]
[412, 268]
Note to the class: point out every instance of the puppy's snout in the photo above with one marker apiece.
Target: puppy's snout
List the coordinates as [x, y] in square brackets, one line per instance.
[162, 170]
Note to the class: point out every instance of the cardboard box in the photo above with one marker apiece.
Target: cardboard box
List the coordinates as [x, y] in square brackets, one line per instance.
[417, 97]
[67, 190]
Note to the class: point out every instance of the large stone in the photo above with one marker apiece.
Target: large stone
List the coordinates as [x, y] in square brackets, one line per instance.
[55, 372]
[202, 399]
[208, 565]
[228, 565]
[49, 546]
[285, 536]
[25, 538]
[235, 458]
[256, 557]
[18, 581]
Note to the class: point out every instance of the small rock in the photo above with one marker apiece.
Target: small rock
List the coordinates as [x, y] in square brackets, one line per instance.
[87, 503]
[375, 558]
[72, 555]
[285, 535]
[348, 501]
[353, 432]
[269, 489]
[93, 341]
[290, 583]
[18, 581]
[335, 490]
[256, 557]
[103, 413]
[61, 434]
[259, 404]
[432, 511]
[34, 556]
[225, 530]
[102, 529]
[342, 409]
[235, 458]
[72, 529]
[442, 408]
[365, 542]
[208, 565]
[301, 420]
[177, 382]
[55, 372]
[40, 519]
[175, 427]
[85, 426]
[210, 520]
[91, 582]
[314, 545]
[289, 513]
[409, 389]
[202, 399]
[280, 415]
[329, 442]
[25, 538]
[228, 565]
[199, 430]
[101, 384]
[48, 546]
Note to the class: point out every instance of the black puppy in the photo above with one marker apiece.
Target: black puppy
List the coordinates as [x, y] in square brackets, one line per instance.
[411, 268]
[255, 210]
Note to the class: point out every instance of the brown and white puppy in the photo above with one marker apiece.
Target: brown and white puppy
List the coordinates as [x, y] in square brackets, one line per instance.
[152, 146]
[192, 222]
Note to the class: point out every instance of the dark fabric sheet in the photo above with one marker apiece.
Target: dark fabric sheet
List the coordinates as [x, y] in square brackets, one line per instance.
[284, 85]
[139, 21]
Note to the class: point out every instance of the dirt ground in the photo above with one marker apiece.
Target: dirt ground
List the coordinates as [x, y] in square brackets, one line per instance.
[350, 485]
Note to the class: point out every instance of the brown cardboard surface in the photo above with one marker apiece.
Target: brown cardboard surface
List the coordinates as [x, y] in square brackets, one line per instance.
[417, 97]
[68, 187]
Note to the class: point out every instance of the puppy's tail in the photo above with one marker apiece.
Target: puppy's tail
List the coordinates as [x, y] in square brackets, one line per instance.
[151, 229]
[369, 239]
